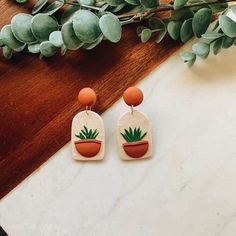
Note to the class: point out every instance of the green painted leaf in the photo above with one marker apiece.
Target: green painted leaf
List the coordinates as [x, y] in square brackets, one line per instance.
[228, 26]
[173, 29]
[114, 2]
[201, 49]
[110, 27]
[8, 38]
[227, 42]
[53, 7]
[56, 39]
[186, 31]
[179, 3]
[69, 38]
[149, 3]
[86, 26]
[146, 35]
[87, 2]
[68, 14]
[34, 48]
[212, 35]
[187, 56]
[47, 49]
[21, 28]
[201, 21]
[156, 23]
[7, 52]
[42, 26]
[217, 46]
[38, 6]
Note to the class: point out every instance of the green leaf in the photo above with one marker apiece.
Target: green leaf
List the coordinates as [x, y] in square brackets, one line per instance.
[217, 46]
[87, 2]
[156, 23]
[21, 1]
[146, 35]
[228, 26]
[140, 29]
[173, 29]
[191, 62]
[160, 36]
[38, 6]
[47, 49]
[133, 2]
[20, 49]
[86, 26]
[68, 14]
[53, 7]
[179, 3]
[110, 27]
[69, 38]
[149, 3]
[188, 56]
[1, 42]
[233, 8]
[90, 46]
[201, 49]
[143, 136]
[114, 2]
[56, 39]
[7, 52]
[201, 21]
[227, 42]
[21, 28]
[34, 48]
[42, 26]
[186, 31]
[212, 35]
[182, 14]
[8, 38]
[218, 7]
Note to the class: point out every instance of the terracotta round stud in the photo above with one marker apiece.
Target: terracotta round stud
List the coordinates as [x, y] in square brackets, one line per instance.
[87, 97]
[133, 96]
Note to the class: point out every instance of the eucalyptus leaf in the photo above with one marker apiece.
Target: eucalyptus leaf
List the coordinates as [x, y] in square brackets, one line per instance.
[53, 7]
[173, 29]
[20, 49]
[87, 2]
[117, 8]
[182, 14]
[133, 2]
[218, 7]
[233, 8]
[1, 42]
[114, 2]
[34, 48]
[56, 39]
[42, 26]
[47, 49]
[38, 6]
[146, 35]
[156, 23]
[217, 46]
[186, 31]
[7, 52]
[21, 28]
[179, 3]
[212, 35]
[201, 49]
[228, 26]
[69, 38]
[63, 49]
[86, 26]
[90, 46]
[110, 27]
[201, 21]
[161, 35]
[8, 38]
[149, 3]
[140, 29]
[68, 14]
[227, 42]
[216, 25]
[187, 56]
[21, 1]
[191, 62]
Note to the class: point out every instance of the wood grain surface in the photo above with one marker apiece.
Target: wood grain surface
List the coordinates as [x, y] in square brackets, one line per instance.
[38, 98]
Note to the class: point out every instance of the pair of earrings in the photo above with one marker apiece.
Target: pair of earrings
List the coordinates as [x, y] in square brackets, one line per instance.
[133, 130]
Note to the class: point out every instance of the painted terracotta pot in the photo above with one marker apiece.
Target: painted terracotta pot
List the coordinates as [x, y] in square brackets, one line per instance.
[88, 147]
[136, 149]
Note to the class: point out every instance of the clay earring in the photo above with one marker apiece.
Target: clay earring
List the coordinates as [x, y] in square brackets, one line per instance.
[87, 131]
[134, 134]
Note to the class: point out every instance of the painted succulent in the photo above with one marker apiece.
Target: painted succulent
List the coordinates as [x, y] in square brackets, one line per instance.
[86, 23]
[133, 135]
[86, 133]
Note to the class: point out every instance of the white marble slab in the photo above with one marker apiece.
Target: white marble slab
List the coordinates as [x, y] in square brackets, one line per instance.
[188, 187]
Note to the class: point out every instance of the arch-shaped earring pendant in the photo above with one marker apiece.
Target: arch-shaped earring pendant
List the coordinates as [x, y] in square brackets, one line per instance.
[134, 133]
[87, 131]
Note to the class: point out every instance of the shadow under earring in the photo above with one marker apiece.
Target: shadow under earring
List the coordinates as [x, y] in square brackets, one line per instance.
[87, 131]
[134, 134]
